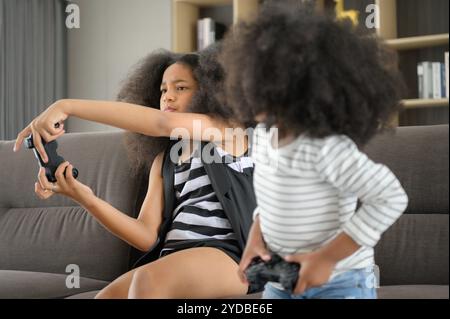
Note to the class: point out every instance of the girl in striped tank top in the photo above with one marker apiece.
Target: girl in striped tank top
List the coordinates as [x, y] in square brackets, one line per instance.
[198, 218]
[196, 214]
[324, 91]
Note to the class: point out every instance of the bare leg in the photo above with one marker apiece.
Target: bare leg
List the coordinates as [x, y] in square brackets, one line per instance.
[118, 289]
[202, 272]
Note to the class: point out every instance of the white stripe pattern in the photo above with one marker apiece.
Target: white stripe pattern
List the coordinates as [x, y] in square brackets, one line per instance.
[177, 234]
[199, 214]
[307, 193]
[203, 221]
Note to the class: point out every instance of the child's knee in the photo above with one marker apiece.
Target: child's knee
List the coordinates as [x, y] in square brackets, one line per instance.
[107, 293]
[150, 283]
[118, 289]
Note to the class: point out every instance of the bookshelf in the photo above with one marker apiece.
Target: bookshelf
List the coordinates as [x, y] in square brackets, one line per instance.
[424, 103]
[410, 28]
[416, 29]
[185, 14]
[418, 42]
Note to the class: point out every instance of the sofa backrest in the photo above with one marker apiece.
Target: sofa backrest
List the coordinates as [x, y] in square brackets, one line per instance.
[47, 235]
[415, 250]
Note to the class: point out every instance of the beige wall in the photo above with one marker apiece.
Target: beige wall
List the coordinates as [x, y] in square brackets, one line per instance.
[113, 36]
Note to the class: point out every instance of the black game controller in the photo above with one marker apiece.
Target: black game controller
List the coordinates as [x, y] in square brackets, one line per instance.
[54, 160]
[276, 269]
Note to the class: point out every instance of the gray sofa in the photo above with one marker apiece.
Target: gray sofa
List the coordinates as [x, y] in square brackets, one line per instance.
[40, 240]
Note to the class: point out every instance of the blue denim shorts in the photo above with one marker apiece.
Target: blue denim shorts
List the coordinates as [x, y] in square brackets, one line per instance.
[352, 284]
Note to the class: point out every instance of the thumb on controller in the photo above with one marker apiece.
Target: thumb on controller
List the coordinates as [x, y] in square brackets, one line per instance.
[264, 254]
[294, 258]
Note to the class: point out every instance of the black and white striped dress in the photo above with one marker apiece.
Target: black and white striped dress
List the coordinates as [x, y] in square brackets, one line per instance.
[198, 218]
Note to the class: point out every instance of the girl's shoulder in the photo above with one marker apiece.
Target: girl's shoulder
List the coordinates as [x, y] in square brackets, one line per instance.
[331, 142]
[322, 146]
[269, 141]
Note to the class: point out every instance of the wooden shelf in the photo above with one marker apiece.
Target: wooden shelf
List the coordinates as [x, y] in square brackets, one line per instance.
[185, 14]
[393, 23]
[421, 103]
[418, 42]
[244, 10]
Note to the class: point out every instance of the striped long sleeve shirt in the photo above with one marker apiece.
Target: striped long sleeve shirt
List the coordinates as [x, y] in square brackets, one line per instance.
[307, 193]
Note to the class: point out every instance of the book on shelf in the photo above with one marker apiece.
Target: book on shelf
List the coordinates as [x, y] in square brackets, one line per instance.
[446, 74]
[425, 80]
[437, 80]
[208, 32]
[432, 78]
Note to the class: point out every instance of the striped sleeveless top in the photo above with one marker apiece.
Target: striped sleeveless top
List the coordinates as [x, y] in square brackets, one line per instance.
[198, 217]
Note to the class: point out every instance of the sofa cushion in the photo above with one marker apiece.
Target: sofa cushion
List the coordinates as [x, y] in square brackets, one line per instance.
[418, 155]
[47, 235]
[415, 251]
[413, 292]
[30, 285]
[100, 158]
[85, 295]
[49, 239]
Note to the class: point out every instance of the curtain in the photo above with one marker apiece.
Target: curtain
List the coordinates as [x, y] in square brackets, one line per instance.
[32, 60]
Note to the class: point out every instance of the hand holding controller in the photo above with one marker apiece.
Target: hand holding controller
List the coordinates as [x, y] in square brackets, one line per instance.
[276, 269]
[54, 160]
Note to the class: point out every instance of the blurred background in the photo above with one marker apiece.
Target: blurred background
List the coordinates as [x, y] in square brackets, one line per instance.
[42, 60]
[84, 49]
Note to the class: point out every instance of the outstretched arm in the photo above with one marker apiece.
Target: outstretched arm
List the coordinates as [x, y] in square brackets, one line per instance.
[130, 117]
[136, 118]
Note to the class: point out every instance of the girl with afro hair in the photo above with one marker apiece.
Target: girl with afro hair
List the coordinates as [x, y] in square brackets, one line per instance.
[319, 91]
[196, 215]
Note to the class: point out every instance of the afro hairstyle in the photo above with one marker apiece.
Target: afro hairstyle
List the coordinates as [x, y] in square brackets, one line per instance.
[142, 87]
[309, 74]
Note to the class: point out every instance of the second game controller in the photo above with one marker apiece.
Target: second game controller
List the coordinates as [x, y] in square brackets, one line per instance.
[276, 269]
[54, 160]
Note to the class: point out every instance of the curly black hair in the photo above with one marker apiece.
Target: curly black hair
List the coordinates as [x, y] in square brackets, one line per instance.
[142, 87]
[308, 73]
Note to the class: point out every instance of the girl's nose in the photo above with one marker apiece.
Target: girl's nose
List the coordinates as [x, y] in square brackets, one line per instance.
[167, 98]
